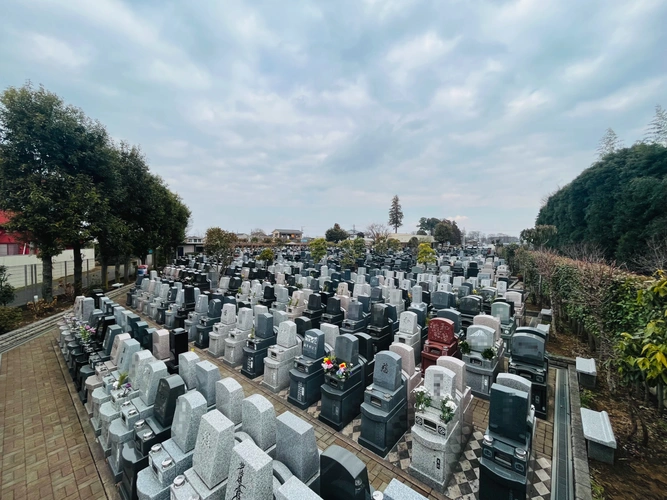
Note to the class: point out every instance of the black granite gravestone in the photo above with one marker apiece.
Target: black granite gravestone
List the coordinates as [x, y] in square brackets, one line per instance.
[256, 348]
[343, 476]
[307, 376]
[342, 394]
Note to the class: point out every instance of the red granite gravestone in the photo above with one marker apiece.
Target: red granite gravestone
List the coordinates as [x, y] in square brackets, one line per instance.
[441, 342]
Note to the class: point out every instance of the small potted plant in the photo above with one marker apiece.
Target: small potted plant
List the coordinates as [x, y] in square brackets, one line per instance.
[422, 398]
[464, 346]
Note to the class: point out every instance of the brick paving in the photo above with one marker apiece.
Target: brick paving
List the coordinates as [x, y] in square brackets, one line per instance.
[48, 449]
[45, 452]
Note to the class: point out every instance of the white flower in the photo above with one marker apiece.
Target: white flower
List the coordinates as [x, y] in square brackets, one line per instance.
[451, 405]
[115, 385]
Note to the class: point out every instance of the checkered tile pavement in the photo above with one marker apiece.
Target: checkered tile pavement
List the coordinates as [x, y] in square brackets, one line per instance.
[465, 481]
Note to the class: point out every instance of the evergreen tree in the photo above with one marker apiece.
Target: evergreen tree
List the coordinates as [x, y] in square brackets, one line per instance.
[336, 234]
[657, 129]
[610, 143]
[395, 214]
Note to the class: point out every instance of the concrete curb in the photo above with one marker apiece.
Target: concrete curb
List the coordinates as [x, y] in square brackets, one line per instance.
[582, 475]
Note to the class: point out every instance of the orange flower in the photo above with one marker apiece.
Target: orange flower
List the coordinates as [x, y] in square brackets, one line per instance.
[342, 365]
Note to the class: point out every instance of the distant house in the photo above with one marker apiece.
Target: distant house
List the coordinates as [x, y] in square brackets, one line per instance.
[191, 245]
[287, 234]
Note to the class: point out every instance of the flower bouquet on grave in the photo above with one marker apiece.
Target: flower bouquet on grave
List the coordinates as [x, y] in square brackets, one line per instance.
[343, 372]
[464, 347]
[422, 398]
[86, 331]
[329, 364]
[447, 409]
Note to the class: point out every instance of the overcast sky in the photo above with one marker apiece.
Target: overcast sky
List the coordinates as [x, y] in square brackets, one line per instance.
[290, 114]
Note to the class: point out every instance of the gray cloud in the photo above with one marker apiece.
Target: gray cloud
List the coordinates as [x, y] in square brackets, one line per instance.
[310, 113]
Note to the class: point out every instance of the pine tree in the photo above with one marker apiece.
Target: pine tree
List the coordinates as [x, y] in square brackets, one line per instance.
[395, 214]
[657, 129]
[609, 144]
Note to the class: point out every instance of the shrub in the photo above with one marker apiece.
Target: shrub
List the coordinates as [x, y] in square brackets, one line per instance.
[41, 307]
[6, 290]
[10, 317]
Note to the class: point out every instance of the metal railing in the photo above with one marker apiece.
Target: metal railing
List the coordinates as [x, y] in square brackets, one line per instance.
[27, 279]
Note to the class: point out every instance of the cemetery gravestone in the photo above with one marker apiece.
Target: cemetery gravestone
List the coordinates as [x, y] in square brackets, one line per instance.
[384, 416]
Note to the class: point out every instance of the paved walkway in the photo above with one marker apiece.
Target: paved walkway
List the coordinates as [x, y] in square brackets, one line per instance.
[45, 452]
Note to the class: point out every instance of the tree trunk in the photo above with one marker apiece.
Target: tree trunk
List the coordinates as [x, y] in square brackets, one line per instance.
[661, 395]
[105, 273]
[116, 274]
[633, 419]
[78, 268]
[47, 278]
[644, 429]
[126, 271]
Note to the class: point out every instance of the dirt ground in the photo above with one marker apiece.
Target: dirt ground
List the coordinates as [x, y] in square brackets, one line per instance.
[639, 471]
[27, 316]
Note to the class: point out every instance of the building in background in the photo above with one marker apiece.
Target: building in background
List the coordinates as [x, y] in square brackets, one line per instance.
[287, 234]
[191, 245]
[10, 244]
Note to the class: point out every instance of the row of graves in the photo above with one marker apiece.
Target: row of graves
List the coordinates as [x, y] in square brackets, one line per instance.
[386, 354]
[181, 431]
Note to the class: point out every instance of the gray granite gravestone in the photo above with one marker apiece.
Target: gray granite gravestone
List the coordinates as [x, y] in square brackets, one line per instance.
[207, 375]
[250, 473]
[174, 456]
[259, 422]
[296, 447]
[229, 399]
[399, 491]
[436, 443]
[187, 361]
[280, 358]
[210, 461]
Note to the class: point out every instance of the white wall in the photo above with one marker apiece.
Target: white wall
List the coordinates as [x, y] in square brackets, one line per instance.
[26, 270]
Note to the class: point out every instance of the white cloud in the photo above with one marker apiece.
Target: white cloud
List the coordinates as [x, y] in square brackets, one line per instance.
[55, 52]
[623, 99]
[303, 115]
[405, 58]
